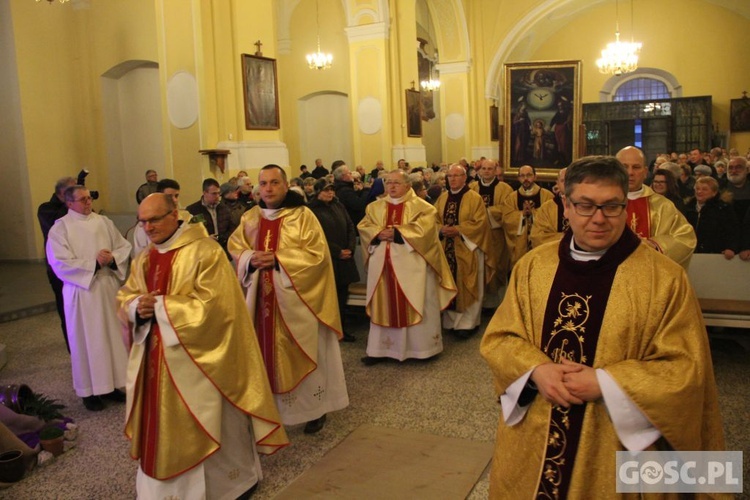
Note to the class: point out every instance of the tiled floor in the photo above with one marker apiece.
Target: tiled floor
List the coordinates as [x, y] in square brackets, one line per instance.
[24, 290]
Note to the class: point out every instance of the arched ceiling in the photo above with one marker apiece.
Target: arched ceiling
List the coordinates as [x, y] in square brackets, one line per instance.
[544, 20]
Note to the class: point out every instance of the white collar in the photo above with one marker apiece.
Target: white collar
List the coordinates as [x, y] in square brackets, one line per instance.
[634, 195]
[583, 255]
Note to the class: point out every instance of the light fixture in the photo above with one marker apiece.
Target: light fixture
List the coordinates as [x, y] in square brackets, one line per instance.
[50, 1]
[319, 60]
[620, 57]
[432, 82]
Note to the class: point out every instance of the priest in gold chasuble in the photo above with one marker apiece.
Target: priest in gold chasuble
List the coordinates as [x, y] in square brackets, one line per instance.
[653, 217]
[465, 235]
[408, 279]
[549, 221]
[199, 408]
[493, 191]
[519, 212]
[599, 346]
[284, 262]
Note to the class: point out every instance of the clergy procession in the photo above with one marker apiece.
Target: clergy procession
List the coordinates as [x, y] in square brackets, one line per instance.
[220, 339]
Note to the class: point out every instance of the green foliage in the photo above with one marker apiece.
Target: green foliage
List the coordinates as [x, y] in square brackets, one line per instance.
[50, 432]
[39, 405]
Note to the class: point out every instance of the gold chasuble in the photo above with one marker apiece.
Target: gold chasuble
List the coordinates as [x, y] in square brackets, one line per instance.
[517, 226]
[653, 217]
[175, 391]
[549, 223]
[466, 211]
[289, 301]
[493, 195]
[632, 314]
[396, 298]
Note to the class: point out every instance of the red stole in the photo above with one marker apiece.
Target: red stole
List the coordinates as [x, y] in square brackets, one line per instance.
[397, 303]
[157, 278]
[265, 307]
[639, 217]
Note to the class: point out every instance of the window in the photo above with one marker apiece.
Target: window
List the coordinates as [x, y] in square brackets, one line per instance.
[641, 89]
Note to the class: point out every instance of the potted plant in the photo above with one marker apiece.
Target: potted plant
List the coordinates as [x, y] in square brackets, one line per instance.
[51, 439]
[39, 405]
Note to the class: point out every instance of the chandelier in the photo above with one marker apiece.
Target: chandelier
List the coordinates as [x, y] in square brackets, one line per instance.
[318, 60]
[431, 83]
[50, 1]
[619, 57]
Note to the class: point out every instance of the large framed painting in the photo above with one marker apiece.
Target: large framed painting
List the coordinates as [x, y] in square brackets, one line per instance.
[494, 123]
[413, 113]
[542, 116]
[261, 93]
[739, 120]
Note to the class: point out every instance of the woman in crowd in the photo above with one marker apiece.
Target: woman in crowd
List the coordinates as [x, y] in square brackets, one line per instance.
[686, 182]
[341, 236]
[665, 184]
[714, 221]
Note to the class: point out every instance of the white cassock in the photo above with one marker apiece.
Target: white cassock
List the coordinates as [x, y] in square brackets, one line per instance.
[419, 283]
[97, 352]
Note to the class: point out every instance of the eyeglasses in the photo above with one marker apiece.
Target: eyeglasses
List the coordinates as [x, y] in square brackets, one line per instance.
[589, 209]
[85, 199]
[153, 220]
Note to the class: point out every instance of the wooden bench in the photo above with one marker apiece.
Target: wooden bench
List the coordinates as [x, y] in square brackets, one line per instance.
[723, 289]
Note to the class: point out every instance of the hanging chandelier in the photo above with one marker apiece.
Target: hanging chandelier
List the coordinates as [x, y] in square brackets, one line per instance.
[319, 60]
[619, 57]
[431, 83]
[50, 1]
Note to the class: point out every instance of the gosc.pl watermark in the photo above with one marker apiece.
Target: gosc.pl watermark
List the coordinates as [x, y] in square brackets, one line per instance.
[679, 472]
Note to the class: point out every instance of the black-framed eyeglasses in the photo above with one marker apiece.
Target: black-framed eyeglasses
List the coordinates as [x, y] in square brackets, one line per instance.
[589, 209]
[153, 220]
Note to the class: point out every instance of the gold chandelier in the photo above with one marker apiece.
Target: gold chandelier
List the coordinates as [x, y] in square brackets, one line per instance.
[50, 1]
[432, 82]
[319, 60]
[619, 57]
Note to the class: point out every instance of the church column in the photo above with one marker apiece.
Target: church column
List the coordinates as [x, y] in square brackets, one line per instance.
[405, 70]
[454, 101]
[369, 74]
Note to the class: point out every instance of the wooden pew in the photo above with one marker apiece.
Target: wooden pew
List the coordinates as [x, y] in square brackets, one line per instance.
[723, 289]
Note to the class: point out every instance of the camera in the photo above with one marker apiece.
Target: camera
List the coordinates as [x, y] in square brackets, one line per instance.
[81, 181]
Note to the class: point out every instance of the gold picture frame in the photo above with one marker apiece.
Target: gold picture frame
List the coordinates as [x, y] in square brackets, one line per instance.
[261, 92]
[542, 116]
[413, 113]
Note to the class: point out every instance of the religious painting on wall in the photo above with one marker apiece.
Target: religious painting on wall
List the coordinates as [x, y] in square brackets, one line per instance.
[413, 113]
[739, 120]
[261, 93]
[542, 116]
[494, 123]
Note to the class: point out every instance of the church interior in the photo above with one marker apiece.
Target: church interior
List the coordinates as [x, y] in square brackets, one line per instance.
[118, 87]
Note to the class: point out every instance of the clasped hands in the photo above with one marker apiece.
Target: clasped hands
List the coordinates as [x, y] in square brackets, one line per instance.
[566, 383]
[449, 231]
[386, 234]
[262, 260]
[146, 304]
[104, 257]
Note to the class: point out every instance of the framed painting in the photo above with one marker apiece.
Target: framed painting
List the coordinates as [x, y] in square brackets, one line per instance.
[261, 93]
[739, 115]
[542, 116]
[414, 113]
[494, 123]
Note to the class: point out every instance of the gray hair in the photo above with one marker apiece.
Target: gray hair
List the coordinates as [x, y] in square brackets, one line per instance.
[339, 172]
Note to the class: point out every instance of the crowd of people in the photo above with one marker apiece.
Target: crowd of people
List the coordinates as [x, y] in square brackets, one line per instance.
[252, 276]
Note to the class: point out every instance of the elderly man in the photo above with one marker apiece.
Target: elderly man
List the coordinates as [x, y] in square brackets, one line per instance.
[284, 261]
[351, 194]
[493, 191]
[193, 375]
[519, 209]
[378, 170]
[90, 256]
[216, 217]
[599, 346]
[319, 171]
[169, 187]
[408, 279]
[47, 213]
[550, 222]
[738, 186]
[465, 234]
[653, 217]
[148, 187]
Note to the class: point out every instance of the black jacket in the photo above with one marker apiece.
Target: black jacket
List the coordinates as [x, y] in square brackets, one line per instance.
[341, 235]
[716, 226]
[354, 201]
